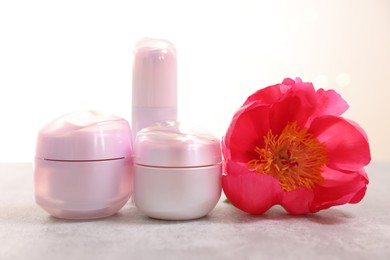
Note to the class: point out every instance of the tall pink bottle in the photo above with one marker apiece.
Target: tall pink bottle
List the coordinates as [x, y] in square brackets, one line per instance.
[154, 90]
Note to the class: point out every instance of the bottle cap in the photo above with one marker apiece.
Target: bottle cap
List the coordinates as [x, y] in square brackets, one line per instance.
[154, 74]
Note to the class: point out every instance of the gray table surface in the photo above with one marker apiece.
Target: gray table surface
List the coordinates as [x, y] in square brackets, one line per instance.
[360, 231]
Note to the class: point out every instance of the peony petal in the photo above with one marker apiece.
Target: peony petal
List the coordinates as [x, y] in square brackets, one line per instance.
[290, 82]
[297, 201]
[288, 110]
[235, 168]
[274, 93]
[303, 90]
[251, 192]
[225, 151]
[329, 102]
[246, 131]
[358, 128]
[266, 96]
[347, 148]
[307, 94]
[339, 188]
[360, 194]
[296, 105]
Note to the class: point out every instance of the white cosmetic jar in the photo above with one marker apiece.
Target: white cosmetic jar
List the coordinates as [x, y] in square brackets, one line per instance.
[177, 171]
[84, 165]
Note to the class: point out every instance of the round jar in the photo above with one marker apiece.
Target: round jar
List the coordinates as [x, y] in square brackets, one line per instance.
[177, 172]
[84, 165]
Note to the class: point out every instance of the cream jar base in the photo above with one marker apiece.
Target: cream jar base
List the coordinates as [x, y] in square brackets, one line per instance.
[177, 193]
[83, 190]
[82, 215]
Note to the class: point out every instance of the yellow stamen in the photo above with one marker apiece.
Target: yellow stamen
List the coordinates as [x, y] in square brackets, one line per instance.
[295, 158]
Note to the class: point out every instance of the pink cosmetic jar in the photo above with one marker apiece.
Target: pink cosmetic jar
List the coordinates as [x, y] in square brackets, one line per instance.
[177, 171]
[84, 165]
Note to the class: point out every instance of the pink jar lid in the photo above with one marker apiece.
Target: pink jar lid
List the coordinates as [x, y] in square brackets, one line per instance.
[174, 144]
[85, 135]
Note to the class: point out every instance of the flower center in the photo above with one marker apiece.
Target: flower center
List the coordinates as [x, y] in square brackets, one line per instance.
[295, 158]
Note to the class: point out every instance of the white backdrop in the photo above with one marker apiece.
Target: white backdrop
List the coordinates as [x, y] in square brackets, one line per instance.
[61, 56]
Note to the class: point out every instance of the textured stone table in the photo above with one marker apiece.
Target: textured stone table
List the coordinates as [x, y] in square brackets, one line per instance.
[359, 231]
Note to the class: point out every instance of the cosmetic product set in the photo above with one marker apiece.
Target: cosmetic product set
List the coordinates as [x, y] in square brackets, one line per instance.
[88, 163]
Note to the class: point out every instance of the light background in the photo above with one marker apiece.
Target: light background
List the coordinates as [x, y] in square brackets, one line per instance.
[61, 56]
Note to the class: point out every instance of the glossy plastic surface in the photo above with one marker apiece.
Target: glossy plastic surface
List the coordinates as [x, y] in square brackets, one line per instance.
[85, 135]
[177, 193]
[84, 165]
[83, 190]
[177, 173]
[176, 144]
[154, 89]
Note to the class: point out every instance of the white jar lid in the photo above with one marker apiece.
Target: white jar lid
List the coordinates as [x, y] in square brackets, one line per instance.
[85, 135]
[174, 144]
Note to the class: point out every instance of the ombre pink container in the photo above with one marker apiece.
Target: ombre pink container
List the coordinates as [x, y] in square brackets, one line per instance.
[154, 89]
[84, 165]
[177, 171]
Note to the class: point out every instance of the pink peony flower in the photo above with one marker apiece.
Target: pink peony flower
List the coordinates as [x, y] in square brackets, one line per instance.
[288, 145]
